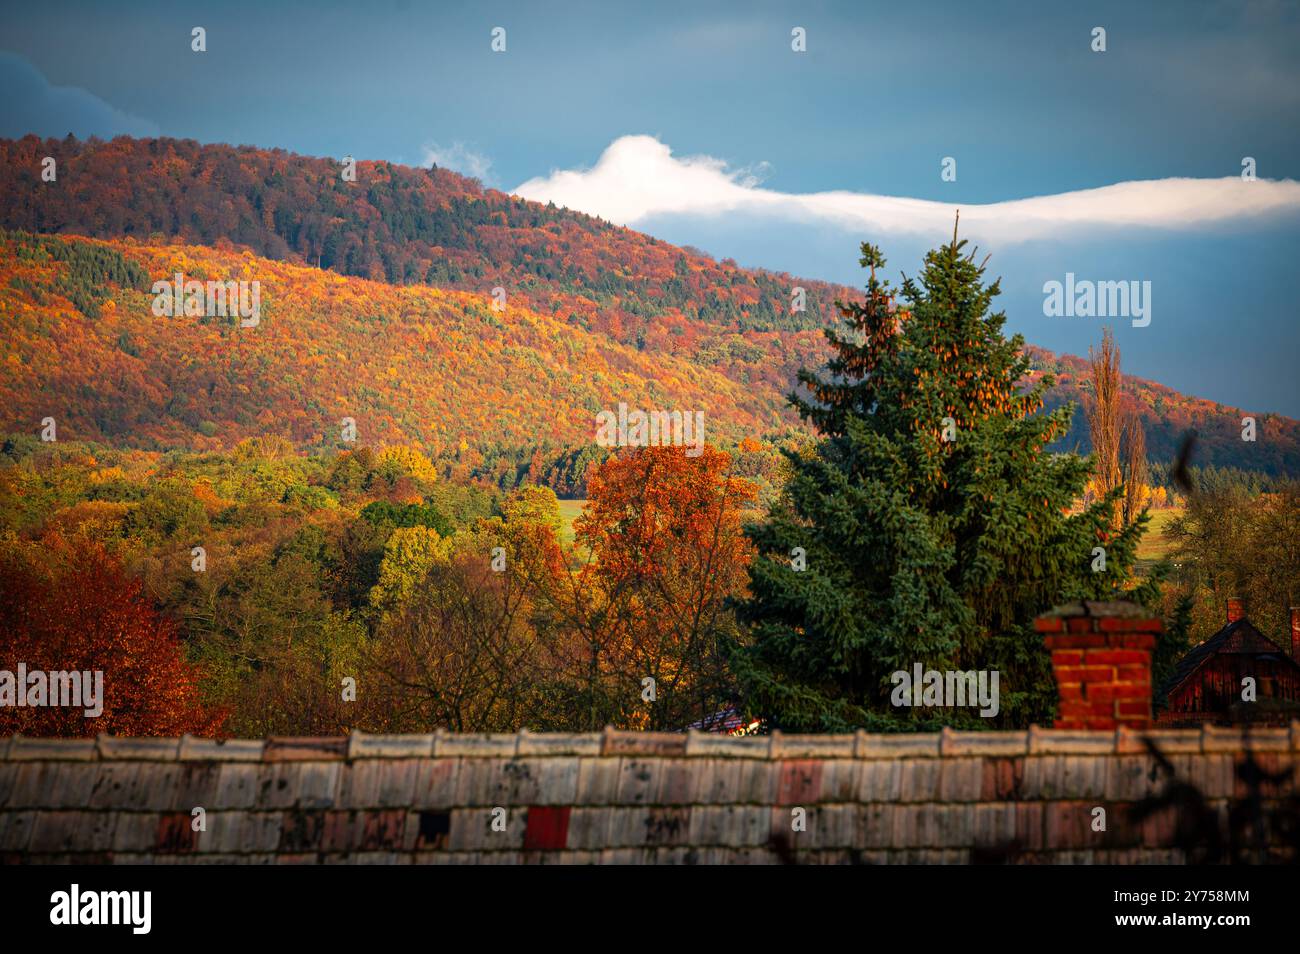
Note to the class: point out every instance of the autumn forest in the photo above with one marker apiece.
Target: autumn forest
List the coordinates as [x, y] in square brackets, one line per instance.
[382, 505]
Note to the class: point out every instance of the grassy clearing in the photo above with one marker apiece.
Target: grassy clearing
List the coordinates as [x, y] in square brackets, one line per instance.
[1154, 544]
[569, 511]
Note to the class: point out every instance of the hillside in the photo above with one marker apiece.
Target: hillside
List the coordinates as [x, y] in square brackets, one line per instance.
[406, 226]
[418, 365]
[1168, 414]
[414, 248]
[484, 392]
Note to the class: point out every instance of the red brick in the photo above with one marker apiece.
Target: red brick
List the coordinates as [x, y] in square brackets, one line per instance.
[1085, 674]
[1049, 624]
[1086, 709]
[1134, 641]
[1118, 657]
[1112, 691]
[1138, 674]
[1080, 624]
[1095, 724]
[1075, 641]
[1067, 657]
[1112, 624]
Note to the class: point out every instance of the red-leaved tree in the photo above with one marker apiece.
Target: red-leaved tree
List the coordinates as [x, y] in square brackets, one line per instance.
[73, 608]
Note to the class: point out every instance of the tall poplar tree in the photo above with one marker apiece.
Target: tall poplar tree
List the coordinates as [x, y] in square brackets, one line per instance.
[930, 522]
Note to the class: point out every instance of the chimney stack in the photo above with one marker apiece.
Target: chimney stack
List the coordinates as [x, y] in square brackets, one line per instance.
[1295, 633]
[1236, 608]
[1101, 657]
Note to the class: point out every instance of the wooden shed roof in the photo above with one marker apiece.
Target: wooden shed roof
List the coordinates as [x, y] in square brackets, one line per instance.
[1238, 637]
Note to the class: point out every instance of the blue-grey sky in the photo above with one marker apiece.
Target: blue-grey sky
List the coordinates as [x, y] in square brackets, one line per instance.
[712, 99]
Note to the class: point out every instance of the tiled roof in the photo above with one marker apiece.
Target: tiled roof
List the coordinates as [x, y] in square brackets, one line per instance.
[614, 742]
[610, 797]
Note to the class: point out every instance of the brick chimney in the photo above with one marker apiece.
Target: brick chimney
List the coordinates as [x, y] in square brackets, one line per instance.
[1236, 608]
[1101, 657]
[1295, 633]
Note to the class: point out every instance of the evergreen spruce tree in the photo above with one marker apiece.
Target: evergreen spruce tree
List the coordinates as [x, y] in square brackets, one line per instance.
[933, 524]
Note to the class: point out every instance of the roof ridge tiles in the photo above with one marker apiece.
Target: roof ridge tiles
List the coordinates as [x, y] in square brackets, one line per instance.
[948, 743]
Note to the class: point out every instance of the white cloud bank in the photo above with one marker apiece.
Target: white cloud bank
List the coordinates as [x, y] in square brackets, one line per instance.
[638, 177]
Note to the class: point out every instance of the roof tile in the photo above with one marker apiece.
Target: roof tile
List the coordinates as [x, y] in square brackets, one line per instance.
[23, 748]
[1168, 741]
[236, 787]
[147, 750]
[895, 746]
[712, 744]
[363, 746]
[474, 744]
[554, 743]
[811, 746]
[117, 785]
[194, 748]
[1216, 739]
[953, 742]
[1070, 742]
[617, 742]
[304, 749]
[435, 784]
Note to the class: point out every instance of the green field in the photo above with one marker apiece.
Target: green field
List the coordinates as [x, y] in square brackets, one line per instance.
[569, 510]
[1154, 545]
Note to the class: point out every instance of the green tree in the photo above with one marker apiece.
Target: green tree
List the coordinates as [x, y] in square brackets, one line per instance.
[408, 556]
[1232, 541]
[933, 525]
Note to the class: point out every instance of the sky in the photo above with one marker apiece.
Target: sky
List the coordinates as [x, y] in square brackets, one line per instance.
[700, 124]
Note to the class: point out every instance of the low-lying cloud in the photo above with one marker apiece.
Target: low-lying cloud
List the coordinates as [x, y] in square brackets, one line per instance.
[638, 177]
[33, 105]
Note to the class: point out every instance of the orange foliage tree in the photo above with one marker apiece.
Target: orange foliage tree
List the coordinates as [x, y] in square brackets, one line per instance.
[77, 610]
[665, 553]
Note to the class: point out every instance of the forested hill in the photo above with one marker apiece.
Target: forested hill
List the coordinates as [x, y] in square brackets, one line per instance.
[1168, 415]
[397, 224]
[498, 395]
[676, 315]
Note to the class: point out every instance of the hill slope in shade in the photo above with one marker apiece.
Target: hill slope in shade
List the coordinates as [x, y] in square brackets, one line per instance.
[1167, 415]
